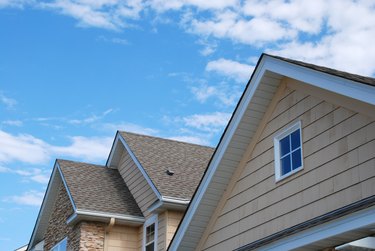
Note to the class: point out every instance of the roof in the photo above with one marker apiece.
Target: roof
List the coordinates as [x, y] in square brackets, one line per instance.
[343, 74]
[157, 155]
[242, 128]
[98, 188]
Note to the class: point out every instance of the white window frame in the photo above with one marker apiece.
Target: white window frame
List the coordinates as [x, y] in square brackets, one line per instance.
[276, 142]
[152, 220]
[56, 247]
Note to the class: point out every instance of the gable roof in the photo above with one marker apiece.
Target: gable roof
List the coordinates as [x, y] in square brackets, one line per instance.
[157, 155]
[242, 128]
[98, 188]
[95, 192]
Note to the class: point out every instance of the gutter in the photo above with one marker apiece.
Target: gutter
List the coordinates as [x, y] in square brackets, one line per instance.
[168, 203]
[122, 219]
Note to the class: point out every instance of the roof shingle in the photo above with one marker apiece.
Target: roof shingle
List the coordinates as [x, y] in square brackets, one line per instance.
[157, 155]
[98, 188]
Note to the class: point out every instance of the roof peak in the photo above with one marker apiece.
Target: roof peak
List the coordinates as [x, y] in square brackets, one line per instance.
[339, 73]
[166, 139]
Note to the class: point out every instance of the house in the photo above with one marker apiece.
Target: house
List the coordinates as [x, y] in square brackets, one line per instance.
[295, 167]
[134, 202]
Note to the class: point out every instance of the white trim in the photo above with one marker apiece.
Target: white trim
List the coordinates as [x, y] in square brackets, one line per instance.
[168, 202]
[140, 167]
[152, 220]
[129, 218]
[66, 186]
[220, 151]
[322, 80]
[42, 209]
[276, 142]
[347, 223]
[59, 243]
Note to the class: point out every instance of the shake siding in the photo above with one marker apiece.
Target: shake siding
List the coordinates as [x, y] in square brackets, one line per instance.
[136, 182]
[339, 169]
[122, 238]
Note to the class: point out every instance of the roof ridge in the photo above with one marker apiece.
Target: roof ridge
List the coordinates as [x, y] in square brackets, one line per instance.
[79, 162]
[368, 80]
[165, 139]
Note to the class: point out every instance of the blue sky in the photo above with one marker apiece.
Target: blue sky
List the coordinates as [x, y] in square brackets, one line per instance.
[74, 72]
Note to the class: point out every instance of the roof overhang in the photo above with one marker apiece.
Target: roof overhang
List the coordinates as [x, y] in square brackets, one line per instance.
[121, 219]
[268, 75]
[168, 203]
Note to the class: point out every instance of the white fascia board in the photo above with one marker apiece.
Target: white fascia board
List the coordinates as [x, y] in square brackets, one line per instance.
[46, 198]
[140, 167]
[336, 84]
[128, 218]
[168, 202]
[216, 159]
[113, 150]
[353, 221]
[66, 186]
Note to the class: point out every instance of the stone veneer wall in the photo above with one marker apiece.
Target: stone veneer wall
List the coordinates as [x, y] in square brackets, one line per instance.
[84, 236]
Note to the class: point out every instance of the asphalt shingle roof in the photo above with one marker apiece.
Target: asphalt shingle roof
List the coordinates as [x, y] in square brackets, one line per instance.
[157, 155]
[343, 74]
[98, 188]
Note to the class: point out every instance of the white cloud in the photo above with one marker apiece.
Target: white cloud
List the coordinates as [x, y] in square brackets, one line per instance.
[212, 122]
[30, 198]
[34, 174]
[29, 149]
[91, 119]
[129, 127]
[8, 102]
[233, 69]
[12, 122]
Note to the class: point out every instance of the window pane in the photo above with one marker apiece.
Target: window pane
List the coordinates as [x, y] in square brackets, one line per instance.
[295, 138]
[297, 159]
[284, 146]
[150, 233]
[150, 247]
[285, 165]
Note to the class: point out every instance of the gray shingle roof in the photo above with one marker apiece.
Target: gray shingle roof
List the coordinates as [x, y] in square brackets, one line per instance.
[157, 155]
[98, 188]
[350, 76]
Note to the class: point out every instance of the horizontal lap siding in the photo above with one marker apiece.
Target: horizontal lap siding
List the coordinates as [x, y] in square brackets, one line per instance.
[162, 231]
[174, 218]
[122, 238]
[339, 169]
[136, 182]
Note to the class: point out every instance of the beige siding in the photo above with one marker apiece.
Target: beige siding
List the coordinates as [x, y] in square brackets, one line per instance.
[122, 238]
[162, 229]
[137, 184]
[174, 218]
[339, 169]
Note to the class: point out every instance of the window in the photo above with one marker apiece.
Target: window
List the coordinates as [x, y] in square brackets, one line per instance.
[61, 246]
[288, 151]
[150, 234]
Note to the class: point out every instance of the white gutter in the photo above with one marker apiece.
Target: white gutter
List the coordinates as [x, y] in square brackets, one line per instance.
[103, 216]
[170, 203]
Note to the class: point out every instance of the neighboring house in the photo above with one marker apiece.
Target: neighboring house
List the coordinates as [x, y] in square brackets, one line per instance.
[295, 167]
[135, 202]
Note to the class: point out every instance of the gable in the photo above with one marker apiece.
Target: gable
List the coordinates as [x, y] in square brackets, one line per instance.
[240, 137]
[258, 206]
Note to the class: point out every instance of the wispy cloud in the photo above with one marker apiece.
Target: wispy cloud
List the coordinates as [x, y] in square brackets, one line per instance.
[90, 119]
[9, 103]
[223, 92]
[129, 127]
[114, 40]
[12, 122]
[229, 68]
[29, 149]
[33, 174]
[212, 122]
[29, 198]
